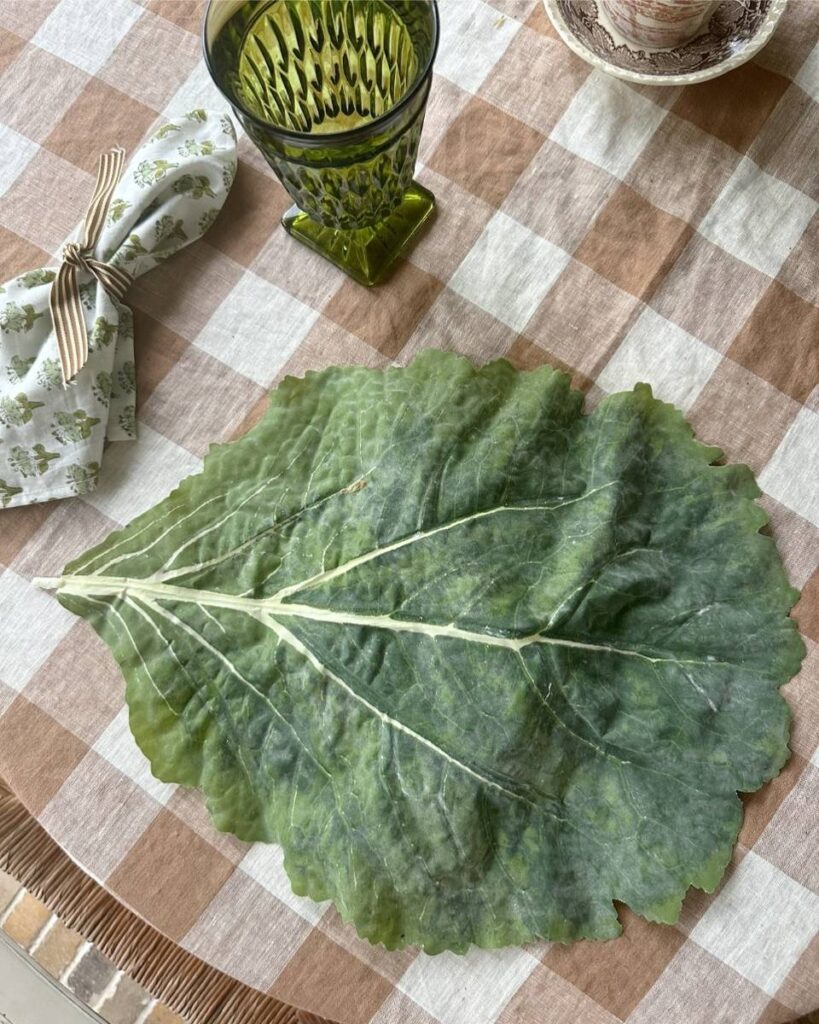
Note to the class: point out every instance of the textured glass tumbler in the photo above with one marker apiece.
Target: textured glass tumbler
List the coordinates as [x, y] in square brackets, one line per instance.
[333, 92]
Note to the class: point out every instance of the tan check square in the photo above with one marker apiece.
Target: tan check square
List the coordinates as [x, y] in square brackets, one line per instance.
[459, 220]
[128, 121]
[385, 319]
[19, 526]
[758, 423]
[795, 539]
[617, 232]
[323, 974]
[325, 344]
[187, 14]
[250, 216]
[294, 269]
[10, 47]
[485, 151]
[633, 243]
[539, 22]
[19, 254]
[445, 103]
[619, 973]
[781, 313]
[788, 841]
[188, 807]
[149, 878]
[806, 612]
[796, 36]
[713, 105]
[45, 754]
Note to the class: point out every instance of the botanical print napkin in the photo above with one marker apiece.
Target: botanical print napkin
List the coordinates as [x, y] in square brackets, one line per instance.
[51, 434]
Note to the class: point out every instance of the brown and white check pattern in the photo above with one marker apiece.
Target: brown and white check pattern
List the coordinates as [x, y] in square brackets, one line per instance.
[623, 233]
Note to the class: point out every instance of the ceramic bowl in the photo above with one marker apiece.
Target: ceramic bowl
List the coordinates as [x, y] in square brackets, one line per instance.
[733, 34]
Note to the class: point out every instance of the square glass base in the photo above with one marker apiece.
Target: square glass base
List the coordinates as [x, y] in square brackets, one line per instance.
[366, 254]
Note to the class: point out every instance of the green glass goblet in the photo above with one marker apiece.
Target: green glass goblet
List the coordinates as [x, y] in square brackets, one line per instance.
[333, 92]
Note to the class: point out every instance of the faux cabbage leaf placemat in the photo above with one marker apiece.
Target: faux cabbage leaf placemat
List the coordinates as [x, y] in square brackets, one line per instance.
[480, 664]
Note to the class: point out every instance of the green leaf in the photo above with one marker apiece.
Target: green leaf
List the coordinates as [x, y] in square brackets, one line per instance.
[7, 492]
[481, 664]
[36, 277]
[117, 207]
[18, 367]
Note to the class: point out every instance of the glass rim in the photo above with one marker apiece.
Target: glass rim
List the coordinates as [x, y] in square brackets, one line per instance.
[315, 140]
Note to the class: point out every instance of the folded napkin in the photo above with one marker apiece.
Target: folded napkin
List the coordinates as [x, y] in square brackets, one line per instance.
[67, 379]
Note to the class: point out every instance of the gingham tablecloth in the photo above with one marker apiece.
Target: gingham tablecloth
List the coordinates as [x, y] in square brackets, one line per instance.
[622, 232]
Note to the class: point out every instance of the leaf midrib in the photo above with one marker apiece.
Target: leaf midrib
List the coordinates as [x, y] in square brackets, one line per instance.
[273, 608]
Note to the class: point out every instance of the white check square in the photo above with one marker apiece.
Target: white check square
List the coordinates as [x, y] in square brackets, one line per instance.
[792, 472]
[658, 352]
[474, 36]
[469, 989]
[118, 746]
[136, 475]
[509, 270]
[198, 90]
[85, 34]
[760, 923]
[256, 328]
[607, 123]
[31, 625]
[808, 77]
[264, 863]
[16, 151]
[758, 218]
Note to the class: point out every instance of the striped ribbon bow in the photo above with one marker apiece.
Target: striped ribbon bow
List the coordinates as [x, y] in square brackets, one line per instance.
[66, 307]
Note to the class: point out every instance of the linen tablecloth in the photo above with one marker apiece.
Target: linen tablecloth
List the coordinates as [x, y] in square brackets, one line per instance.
[624, 233]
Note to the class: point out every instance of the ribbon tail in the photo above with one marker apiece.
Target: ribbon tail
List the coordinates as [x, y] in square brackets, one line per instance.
[109, 169]
[69, 322]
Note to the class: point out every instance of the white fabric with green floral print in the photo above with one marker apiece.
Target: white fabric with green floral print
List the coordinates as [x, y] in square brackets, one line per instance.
[52, 437]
